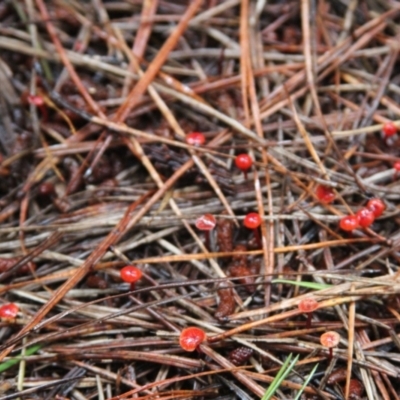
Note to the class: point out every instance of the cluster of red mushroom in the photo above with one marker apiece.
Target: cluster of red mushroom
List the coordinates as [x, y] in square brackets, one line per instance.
[207, 223]
[328, 339]
[243, 161]
[190, 338]
[364, 217]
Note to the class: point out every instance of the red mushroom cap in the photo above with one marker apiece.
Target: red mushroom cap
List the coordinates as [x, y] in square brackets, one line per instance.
[191, 337]
[308, 305]
[130, 274]
[252, 221]
[349, 223]
[365, 217]
[195, 139]
[330, 339]
[243, 161]
[377, 206]
[206, 222]
[35, 100]
[389, 129]
[325, 194]
[9, 310]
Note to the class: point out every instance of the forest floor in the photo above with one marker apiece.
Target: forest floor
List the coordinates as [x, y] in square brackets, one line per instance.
[100, 169]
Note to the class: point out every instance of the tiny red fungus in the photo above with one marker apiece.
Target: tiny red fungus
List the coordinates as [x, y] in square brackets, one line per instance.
[396, 167]
[38, 101]
[325, 194]
[365, 217]
[348, 223]
[253, 221]
[35, 100]
[377, 206]
[190, 338]
[206, 223]
[195, 139]
[307, 306]
[9, 311]
[130, 274]
[244, 163]
[330, 339]
[389, 129]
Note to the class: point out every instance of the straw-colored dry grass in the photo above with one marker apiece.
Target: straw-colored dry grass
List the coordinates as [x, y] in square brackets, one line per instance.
[96, 98]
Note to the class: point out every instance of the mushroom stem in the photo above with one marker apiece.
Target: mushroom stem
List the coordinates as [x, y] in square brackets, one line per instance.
[309, 319]
[207, 240]
[257, 237]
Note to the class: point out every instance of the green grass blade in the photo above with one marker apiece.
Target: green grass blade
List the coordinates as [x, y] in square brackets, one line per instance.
[308, 285]
[273, 386]
[306, 382]
[9, 363]
[281, 375]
